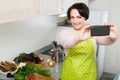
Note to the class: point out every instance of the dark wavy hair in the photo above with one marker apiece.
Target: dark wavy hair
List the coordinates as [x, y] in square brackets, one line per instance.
[82, 9]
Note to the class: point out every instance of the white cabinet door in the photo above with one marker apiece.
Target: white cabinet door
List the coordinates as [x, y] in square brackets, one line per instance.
[47, 7]
[12, 10]
[24, 8]
[52, 7]
[65, 4]
[84, 1]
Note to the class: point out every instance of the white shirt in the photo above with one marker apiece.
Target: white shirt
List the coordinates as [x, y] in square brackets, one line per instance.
[67, 39]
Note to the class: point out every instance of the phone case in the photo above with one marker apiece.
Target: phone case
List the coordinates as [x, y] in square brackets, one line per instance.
[100, 30]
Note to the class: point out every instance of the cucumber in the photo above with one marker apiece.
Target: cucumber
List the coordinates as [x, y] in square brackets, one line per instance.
[45, 72]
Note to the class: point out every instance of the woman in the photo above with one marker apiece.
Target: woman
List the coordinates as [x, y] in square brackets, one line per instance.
[79, 45]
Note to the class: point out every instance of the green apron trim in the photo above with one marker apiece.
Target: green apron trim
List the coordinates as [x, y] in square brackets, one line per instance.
[80, 63]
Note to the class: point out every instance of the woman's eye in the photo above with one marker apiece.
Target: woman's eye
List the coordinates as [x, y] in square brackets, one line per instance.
[79, 17]
[71, 17]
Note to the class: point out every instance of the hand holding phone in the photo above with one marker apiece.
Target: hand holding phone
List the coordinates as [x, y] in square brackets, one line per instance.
[100, 30]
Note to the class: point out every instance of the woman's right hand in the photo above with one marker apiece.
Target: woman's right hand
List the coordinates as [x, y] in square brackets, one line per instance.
[85, 33]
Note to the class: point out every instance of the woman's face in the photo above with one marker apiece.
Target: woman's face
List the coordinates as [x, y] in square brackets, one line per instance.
[76, 19]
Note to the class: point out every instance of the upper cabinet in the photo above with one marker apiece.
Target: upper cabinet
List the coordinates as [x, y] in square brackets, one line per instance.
[49, 7]
[12, 10]
[84, 1]
[65, 4]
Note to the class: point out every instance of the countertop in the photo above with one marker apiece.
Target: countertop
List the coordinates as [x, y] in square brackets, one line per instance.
[55, 69]
[3, 77]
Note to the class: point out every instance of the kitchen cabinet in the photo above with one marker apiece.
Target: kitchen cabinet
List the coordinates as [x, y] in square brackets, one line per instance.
[84, 1]
[65, 4]
[24, 9]
[48, 7]
[12, 10]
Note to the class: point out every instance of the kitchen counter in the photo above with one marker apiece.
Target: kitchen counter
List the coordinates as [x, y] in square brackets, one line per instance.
[3, 77]
[55, 69]
[58, 64]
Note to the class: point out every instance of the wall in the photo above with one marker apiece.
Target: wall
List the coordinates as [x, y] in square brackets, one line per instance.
[112, 62]
[26, 36]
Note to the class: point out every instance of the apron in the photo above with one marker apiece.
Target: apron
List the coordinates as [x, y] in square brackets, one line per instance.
[80, 63]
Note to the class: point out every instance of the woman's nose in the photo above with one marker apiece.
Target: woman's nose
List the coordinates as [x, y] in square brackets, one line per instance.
[75, 20]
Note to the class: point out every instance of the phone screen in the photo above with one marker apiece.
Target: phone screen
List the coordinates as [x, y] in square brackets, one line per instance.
[100, 30]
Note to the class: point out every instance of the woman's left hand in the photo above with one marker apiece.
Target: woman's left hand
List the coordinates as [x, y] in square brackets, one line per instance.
[113, 32]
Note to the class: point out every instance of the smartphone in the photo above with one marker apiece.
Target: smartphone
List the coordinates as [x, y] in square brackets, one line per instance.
[100, 30]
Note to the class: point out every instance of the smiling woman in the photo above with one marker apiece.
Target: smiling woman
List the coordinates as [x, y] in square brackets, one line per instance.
[77, 14]
[80, 46]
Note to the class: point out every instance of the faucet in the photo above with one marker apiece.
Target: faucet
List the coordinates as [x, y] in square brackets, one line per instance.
[57, 52]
